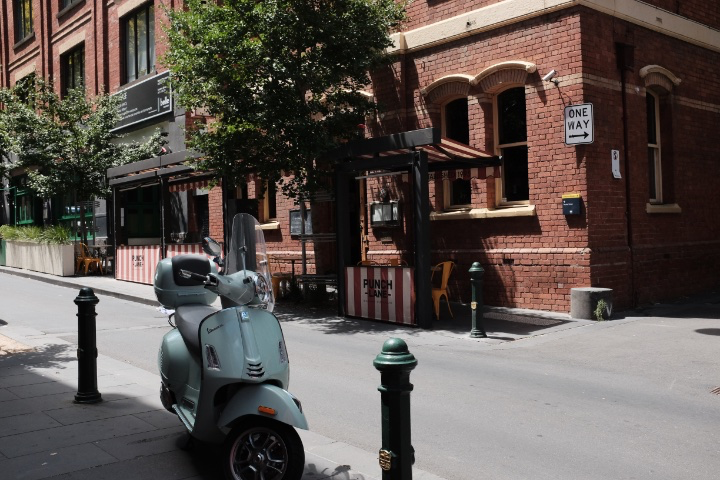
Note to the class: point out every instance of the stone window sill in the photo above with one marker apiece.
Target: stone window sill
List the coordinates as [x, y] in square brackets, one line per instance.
[476, 213]
[664, 208]
[273, 225]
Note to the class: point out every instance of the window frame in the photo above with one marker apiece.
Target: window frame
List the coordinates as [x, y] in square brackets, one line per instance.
[449, 186]
[269, 203]
[148, 11]
[67, 69]
[22, 11]
[655, 177]
[499, 147]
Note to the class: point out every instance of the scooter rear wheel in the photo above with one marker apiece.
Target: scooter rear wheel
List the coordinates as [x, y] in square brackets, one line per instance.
[263, 449]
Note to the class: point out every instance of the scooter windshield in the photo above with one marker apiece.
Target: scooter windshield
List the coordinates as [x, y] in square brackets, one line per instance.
[247, 258]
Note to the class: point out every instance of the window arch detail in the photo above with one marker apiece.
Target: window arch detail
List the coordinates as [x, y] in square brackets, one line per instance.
[496, 77]
[457, 85]
[657, 76]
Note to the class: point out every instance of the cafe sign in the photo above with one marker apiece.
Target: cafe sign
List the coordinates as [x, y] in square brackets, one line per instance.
[144, 100]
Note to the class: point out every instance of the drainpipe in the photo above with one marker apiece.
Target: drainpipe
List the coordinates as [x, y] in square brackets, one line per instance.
[625, 55]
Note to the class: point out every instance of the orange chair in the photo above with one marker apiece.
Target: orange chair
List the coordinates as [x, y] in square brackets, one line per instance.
[438, 292]
[86, 260]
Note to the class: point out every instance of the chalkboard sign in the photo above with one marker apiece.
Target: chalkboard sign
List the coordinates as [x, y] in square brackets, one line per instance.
[296, 227]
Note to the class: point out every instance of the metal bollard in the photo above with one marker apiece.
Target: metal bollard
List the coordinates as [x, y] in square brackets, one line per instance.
[87, 348]
[397, 455]
[476, 276]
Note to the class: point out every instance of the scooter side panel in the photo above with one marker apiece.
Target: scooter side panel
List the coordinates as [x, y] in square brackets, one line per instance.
[250, 397]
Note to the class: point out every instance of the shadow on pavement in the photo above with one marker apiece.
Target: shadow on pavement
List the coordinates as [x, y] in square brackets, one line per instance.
[497, 325]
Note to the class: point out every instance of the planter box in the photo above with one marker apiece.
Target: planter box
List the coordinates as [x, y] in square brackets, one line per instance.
[40, 257]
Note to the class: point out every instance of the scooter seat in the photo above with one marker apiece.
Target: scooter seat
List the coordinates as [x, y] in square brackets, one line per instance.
[187, 320]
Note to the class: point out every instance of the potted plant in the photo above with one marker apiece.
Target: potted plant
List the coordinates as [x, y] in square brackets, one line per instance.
[46, 250]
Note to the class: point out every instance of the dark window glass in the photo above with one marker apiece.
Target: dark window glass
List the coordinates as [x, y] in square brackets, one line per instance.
[73, 69]
[515, 175]
[460, 192]
[651, 119]
[139, 31]
[456, 121]
[23, 19]
[272, 200]
[511, 116]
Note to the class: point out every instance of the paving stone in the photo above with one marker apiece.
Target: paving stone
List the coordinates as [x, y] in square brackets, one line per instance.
[35, 442]
[55, 462]
[144, 444]
[6, 395]
[30, 378]
[26, 423]
[159, 418]
[107, 409]
[42, 389]
[20, 406]
[174, 465]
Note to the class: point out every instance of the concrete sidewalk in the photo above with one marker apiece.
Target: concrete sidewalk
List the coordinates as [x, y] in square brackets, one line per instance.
[44, 434]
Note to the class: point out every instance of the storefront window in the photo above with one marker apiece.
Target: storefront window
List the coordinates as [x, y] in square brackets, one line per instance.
[141, 215]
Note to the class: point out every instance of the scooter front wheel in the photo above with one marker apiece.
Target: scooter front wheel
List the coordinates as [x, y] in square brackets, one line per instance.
[263, 449]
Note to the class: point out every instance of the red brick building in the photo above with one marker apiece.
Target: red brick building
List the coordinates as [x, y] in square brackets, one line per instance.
[647, 183]
[648, 69]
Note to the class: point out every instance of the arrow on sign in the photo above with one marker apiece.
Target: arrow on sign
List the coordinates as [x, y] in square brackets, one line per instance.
[584, 135]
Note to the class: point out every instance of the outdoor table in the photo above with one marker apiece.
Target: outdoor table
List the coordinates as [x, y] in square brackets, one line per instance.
[381, 292]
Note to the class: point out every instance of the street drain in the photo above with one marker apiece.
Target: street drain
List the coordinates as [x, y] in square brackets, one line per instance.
[715, 390]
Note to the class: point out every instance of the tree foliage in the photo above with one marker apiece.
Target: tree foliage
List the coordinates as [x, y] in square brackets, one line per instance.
[65, 144]
[282, 79]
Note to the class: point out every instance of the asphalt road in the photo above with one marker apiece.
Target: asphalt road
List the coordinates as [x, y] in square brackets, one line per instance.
[626, 399]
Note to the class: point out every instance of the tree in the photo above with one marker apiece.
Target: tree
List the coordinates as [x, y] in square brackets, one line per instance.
[65, 145]
[282, 80]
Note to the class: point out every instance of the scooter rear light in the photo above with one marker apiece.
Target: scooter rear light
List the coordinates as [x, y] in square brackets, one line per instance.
[213, 361]
[267, 410]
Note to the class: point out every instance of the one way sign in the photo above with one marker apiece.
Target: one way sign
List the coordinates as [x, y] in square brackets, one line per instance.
[579, 124]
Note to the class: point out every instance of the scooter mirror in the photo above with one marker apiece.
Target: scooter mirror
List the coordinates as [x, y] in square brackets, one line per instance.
[211, 247]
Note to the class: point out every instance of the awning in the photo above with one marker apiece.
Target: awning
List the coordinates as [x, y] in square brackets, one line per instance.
[188, 184]
[152, 169]
[443, 153]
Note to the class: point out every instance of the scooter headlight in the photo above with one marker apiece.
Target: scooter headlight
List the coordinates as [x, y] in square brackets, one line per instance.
[263, 289]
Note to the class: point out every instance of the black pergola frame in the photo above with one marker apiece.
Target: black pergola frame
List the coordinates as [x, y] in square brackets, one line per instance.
[415, 162]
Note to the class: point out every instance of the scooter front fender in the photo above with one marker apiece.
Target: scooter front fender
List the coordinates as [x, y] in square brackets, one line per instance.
[262, 400]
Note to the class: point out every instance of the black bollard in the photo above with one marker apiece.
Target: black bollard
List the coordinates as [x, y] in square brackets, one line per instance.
[87, 348]
[397, 455]
[476, 279]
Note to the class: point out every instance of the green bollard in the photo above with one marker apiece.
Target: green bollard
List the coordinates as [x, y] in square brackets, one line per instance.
[476, 276]
[87, 348]
[397, 455]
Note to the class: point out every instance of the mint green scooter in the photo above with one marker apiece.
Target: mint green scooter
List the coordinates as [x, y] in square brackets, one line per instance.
[225, 372]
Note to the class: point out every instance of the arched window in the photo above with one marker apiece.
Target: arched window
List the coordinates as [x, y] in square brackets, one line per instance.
[511, 142]
[455, 120]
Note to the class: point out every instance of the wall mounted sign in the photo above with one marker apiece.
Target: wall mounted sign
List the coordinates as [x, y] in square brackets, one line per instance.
[145, 100]
[579, 124]
[296, 226]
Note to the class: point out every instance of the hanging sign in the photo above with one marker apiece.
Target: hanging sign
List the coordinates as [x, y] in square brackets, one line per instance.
[579, 124]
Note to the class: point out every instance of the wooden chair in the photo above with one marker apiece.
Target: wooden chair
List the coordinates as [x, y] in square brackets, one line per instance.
[86, 260]
[445, 269]
[397, 262]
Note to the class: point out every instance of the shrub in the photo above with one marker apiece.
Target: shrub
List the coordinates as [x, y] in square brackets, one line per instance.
[56, 234]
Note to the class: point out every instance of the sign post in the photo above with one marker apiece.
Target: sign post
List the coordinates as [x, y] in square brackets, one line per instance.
[579, 124]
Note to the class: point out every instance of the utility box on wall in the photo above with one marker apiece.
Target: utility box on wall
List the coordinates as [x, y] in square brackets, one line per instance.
[571, 203]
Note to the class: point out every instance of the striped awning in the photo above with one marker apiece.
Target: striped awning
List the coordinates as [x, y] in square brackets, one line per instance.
[446, 150]
[184, 186]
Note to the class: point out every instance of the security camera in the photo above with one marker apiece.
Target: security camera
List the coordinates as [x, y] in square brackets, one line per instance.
[549, 76]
